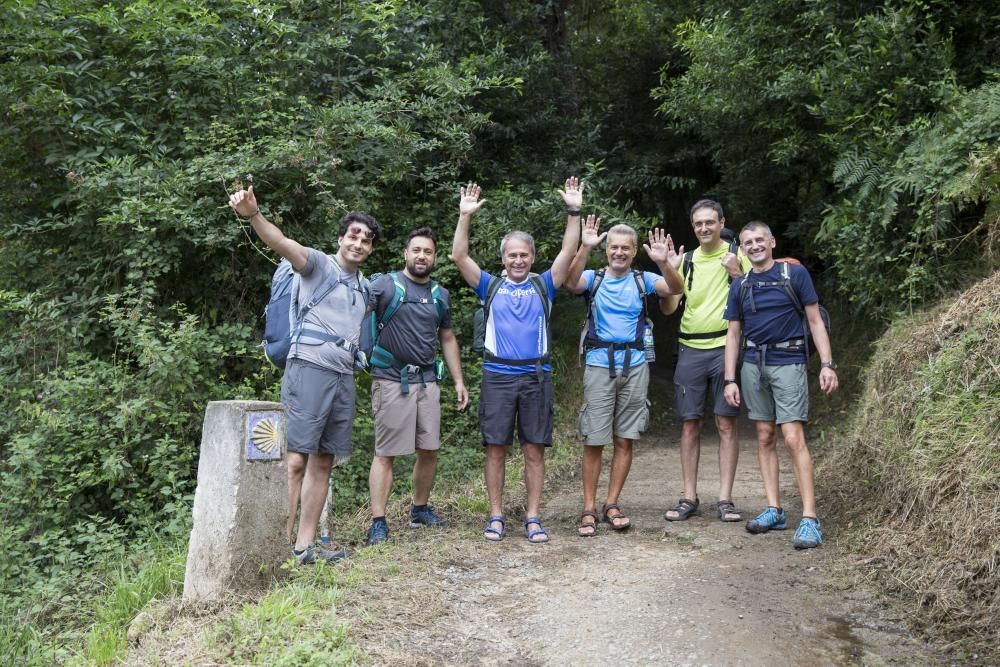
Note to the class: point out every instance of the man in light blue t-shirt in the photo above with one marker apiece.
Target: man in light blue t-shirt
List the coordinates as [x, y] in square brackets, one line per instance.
[517, 383]
[616, 379]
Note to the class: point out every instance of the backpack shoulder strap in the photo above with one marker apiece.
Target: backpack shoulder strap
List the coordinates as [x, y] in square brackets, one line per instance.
[399, 294]
[744, 288]
[439, 302]
[640, 283]
[543, 294]
[786, 281]
[688, 267]
[598, 279]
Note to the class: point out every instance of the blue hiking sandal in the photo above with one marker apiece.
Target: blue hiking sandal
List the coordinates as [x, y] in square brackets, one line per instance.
[808, 535]
[378, 533]
[424, 515]
[532, 534]
[773, 518]
[491, 533]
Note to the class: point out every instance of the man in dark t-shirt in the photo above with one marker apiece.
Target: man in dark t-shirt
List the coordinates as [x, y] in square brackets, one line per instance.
[773, 382]
[405, 393]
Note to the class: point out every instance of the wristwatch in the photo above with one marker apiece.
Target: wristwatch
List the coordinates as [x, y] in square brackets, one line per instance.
[829, 364]
[728, 381]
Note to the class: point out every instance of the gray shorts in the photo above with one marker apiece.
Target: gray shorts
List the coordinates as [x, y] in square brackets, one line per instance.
[781, 395]
[504, 399]
[319, 409]
[696, 372]
[406, 422]
[614, 406]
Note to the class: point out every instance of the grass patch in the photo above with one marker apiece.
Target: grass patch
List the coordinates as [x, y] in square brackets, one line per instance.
[917, 482]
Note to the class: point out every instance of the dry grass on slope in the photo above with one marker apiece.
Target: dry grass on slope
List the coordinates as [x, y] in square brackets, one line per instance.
[918, 480]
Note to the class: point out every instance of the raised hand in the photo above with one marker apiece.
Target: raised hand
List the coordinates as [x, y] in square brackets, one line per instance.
[674, 256]
[659, 245]
[572, 193]
[244, 202]
[590, 237]
[469, 201]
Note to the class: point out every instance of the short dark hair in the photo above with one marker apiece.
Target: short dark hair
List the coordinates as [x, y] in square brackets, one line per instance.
[425, 232]
[756, 224]
[708, 203]
[364, 219]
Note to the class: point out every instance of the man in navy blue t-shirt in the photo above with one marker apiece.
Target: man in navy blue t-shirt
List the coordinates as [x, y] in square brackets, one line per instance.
[517, 381]
[773, 378]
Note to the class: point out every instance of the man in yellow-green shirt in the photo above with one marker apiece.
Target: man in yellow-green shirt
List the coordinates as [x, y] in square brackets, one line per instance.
[707, 271]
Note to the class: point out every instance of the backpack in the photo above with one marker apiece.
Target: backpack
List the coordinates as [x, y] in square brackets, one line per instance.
[283, 315]
[786, 284]
[643, 327]
[372, 326]
[483, 313]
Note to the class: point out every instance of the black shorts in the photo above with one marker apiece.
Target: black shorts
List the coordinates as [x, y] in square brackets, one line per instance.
[525, 398]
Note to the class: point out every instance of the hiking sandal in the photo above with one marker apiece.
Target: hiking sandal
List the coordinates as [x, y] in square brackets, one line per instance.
[728, 512]
[620, 516]
[585, 525]
[489, 530]
[531, 534]
[685, 507]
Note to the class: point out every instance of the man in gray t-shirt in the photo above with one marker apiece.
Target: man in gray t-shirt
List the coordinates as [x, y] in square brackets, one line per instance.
[405, 394]
[317, 389]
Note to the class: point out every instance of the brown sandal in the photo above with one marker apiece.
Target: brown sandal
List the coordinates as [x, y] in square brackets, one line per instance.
[620, 516]
[585, 525]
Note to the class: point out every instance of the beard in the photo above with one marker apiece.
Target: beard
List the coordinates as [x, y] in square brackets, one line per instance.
[419, 271]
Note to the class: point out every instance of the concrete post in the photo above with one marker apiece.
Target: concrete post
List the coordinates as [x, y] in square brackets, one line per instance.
[241, 502]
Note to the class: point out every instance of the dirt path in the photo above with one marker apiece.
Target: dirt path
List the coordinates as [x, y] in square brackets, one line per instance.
[694, 593]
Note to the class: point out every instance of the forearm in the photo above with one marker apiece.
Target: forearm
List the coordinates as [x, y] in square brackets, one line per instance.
[819, 334]
[278, 242]
[732, 350]
[576, 269]
[452, 356]
[673, 282]
[669, 304]
[571, 238]
[460, 251]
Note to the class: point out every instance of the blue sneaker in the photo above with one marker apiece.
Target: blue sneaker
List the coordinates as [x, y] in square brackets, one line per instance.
[807, 535]
[424, 515]
[773, 518]
[379, 532]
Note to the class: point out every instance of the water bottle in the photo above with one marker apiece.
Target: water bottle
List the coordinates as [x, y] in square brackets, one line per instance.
[647, 341]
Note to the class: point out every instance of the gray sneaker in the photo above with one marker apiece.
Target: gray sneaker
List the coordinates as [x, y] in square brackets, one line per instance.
[315, 552]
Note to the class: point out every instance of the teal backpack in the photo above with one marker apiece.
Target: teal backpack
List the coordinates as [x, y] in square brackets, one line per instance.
[372, 326]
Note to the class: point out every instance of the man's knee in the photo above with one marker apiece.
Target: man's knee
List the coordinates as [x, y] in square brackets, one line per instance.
[296, 465]
[691, 428]
[320, 463]
[766, 434]
[794, 436]
[533, 454]
[725, 425]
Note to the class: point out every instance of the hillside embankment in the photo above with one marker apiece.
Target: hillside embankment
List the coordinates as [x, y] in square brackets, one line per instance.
[916, 484]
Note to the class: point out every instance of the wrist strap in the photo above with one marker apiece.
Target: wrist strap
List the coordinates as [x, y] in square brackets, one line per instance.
[252, 215]
[573, 211]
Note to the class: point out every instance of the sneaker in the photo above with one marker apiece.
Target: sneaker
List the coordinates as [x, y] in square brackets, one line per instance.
[773, 518]
[379, 532]
[314, 552]
[807, 535]
[425, 515]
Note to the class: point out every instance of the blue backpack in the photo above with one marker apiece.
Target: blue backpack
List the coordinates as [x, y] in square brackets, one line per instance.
[283, 315]
[372, 326]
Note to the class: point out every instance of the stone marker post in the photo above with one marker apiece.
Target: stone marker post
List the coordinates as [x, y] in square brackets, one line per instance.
[241, 503]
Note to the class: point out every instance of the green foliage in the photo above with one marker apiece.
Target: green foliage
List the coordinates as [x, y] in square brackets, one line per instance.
[923, 447]
[852, 128]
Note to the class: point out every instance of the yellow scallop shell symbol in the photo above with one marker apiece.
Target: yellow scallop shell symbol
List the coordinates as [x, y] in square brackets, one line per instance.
[266, 436]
